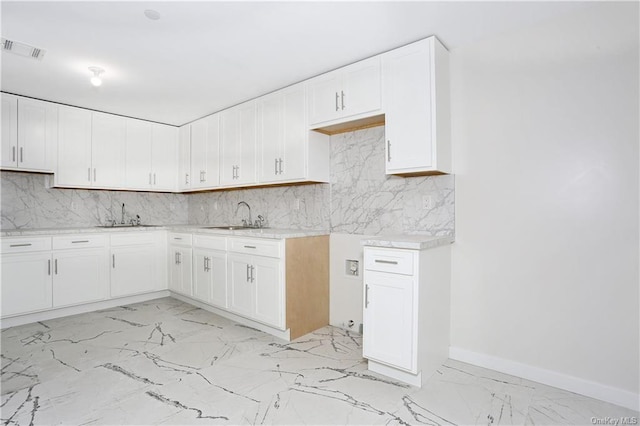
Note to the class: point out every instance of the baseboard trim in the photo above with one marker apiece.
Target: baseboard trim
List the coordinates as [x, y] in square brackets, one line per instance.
[577, 385]
[80, 309]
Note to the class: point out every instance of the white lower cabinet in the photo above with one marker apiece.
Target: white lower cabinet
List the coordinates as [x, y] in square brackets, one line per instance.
[136, 263]
[80, 269]
[406, 311]
[257, 288]
[180, 263]
[26, 282]
[210, 270]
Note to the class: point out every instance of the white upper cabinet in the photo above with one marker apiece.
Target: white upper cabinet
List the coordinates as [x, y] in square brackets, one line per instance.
[346, 94]
[29, 134]
[285, 144]
[205, 153]
[184, 158]
[151, 162]
[164, 157]
[416, 97]
[73, 167]
[238, 145]
[138, 165]
[108, 150]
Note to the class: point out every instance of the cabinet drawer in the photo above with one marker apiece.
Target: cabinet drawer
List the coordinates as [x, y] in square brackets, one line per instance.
[79, 241]
[210, 242]
[180, 238]
[25, 244]
[389, 260]
[133, 239]
[259, 247]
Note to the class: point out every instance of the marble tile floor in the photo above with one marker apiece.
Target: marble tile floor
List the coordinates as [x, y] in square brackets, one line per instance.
[167, 362]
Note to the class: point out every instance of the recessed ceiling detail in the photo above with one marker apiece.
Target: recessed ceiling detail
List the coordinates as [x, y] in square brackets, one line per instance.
[22, 49]
[154, 15]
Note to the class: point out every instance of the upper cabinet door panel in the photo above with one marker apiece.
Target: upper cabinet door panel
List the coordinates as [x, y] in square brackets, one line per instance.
[292, 163]
[73, 167]
[324, 97]
[9, 131]
[108, 150]
[184, 157]
[37, 134]
[138, 161]
[164, 157]
[270, 135]
[238, 145]
[361, 88]
[205, 152]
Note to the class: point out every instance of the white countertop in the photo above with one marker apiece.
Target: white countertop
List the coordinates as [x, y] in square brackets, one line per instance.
[276, 233]
[406, 241]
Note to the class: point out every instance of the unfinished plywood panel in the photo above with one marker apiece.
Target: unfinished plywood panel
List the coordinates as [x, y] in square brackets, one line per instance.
[307, 278]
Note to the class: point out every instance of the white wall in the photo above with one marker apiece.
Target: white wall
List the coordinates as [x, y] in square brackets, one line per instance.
[545, 264]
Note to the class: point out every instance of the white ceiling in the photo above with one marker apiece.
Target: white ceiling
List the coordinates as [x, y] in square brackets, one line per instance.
[201, 57]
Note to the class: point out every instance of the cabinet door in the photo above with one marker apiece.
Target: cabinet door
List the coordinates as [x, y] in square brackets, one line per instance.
[239, 144]
[205, 152]
[37, 133]
[180, 267]
[108, 151]
[74, 148]
[9, 141]
[270, 128]
[361, 91]
[134, 270]
[241, 291]
[324, 97]
[164, 159]
[184, 157]
[295, 134]
[80, 276]
[201, 275]
[268, 282]
[407, 96]
[218, 271]
[138, 154]
[26, 283]
[389, 320]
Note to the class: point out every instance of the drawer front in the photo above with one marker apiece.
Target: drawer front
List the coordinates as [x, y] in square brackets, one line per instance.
[180, 238]
[79, 241]
[389, 260]
[133, 239]
[210, 242]
[257, 246]
[25, 244]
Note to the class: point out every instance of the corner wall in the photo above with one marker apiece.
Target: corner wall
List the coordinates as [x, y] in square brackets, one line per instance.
[545, 264]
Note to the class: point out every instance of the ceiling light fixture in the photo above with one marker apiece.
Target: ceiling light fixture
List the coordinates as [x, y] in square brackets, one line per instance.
[154, 15]
[96, 80]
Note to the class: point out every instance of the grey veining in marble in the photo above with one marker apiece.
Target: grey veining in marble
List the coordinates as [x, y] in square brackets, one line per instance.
[167, 362]
[277, 205]
[28, 203]
[366, 201]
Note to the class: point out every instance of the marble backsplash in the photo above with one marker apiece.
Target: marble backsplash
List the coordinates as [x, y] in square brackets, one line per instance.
[295, 207]
[361, 199]
[366, 201]
[28, 202]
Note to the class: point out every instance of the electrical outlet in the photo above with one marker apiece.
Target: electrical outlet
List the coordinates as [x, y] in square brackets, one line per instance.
[215, 205]
[295, 205]
[427, 202]
[351, 268]
[74, 206]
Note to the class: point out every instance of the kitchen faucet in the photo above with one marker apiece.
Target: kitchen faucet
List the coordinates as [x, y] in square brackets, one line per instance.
[244, 221]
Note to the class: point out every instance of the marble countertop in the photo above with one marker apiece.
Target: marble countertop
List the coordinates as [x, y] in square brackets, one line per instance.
[276, 233]
[406, 241]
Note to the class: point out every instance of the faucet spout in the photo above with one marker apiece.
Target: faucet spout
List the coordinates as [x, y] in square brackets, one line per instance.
[244, 221]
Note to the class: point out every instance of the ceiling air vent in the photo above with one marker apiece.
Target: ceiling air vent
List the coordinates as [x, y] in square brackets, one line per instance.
[22, 49]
